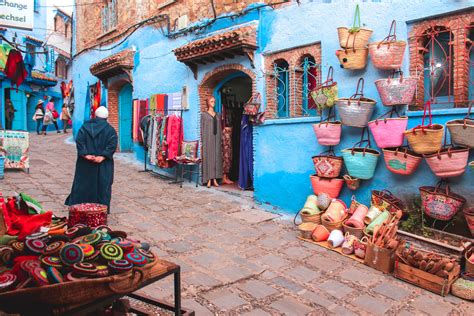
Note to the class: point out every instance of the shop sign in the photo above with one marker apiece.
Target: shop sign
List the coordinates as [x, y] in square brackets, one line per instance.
[17, 14]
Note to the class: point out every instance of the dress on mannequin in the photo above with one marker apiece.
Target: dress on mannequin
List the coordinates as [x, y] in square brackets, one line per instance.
[211, 133]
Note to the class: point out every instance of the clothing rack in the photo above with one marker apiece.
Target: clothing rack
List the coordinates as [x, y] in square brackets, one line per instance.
[173, 180]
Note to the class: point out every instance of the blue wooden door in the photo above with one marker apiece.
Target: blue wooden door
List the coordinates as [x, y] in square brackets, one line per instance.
[125, 118]
[18, 99]
[30, 111]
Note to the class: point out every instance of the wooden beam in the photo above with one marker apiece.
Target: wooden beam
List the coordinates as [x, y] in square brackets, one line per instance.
[194, 69]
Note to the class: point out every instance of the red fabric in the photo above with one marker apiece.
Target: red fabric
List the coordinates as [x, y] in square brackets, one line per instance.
[174, 136]
[160, 103]
[15, 68]
[64, 89]
[20, 223]
[97, 97]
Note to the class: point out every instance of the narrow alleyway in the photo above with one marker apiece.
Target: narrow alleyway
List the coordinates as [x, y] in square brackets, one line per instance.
[236, 258]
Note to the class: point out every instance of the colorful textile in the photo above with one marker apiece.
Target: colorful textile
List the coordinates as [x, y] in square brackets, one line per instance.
[246, 155]
[19, 222]
[176, 101]
[15, 68]
[16, 146]
[174, 136]
[227, 149]
[152, 104]
[160, 103]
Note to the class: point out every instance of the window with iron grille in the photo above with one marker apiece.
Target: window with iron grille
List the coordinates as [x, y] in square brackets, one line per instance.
[109, 15]
[305, 79]
[441, 60]
[281, 74]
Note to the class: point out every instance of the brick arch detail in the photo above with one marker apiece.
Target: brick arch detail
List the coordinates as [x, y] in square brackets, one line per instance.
[458, 26]
[213, 77]
[113, 90]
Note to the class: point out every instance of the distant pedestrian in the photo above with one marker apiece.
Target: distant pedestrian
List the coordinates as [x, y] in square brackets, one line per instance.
[51, 116]
[96, 143]
[65, 117]
[9, 114]
[39, 116]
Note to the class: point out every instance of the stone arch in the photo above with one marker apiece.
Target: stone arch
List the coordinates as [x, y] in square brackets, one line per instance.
[213, 77]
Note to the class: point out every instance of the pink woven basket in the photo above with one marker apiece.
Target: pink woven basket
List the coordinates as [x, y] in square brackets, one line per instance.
[388, 132]
[396, 91]
[448, 162]
[439, 203]
[328, 133]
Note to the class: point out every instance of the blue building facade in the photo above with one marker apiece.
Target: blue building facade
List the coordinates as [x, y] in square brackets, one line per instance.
[286, 38]
[41, 82]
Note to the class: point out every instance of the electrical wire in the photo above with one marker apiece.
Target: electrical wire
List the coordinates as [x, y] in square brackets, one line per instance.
[69, 5]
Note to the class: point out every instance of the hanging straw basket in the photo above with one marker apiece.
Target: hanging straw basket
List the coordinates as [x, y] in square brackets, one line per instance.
[448, 162]
[462, 131]
[388, 53]
[328, 133]
[356, 36]
[401, 160]
[388, 132]
[327, 166]
[425, 140]
[440, 203]
[356, 110]
[331, 187]
[353, 59]
[361, 162]
[396, 91]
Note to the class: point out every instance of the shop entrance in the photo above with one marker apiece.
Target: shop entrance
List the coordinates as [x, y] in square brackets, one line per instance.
[125, 117]
[231, 94]
[18, 100]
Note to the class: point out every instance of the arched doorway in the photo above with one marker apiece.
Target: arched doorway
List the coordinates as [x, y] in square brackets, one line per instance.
[125, 117]
[232, 86]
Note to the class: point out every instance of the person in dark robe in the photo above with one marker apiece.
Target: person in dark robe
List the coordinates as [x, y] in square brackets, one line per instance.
[96, 143]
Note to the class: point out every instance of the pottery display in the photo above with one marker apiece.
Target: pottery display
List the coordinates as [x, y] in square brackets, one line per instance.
[357, 219]
[372, 214]
[348, 245]
[335, 212]
[320, 233]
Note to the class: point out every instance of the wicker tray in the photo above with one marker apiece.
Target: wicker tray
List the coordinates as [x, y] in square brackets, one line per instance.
[65, 296]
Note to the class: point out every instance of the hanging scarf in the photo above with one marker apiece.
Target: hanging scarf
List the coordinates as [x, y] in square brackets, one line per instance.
[15, 68]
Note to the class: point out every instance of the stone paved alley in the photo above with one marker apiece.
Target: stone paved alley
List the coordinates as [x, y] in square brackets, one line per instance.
[237, 259]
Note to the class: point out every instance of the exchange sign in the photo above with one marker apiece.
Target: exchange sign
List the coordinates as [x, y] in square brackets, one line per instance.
[17, 14]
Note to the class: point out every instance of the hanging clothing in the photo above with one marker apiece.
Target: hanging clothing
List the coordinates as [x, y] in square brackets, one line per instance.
[153, 140]
[93, 181]
[211, 134]
[246, 155]
[145, 129]
[226, 149]
[174, 136]
[15, 68]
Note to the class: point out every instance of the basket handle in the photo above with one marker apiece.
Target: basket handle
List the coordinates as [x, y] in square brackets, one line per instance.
[468, 115]
[395, 72]
[426, 112]
[331, 114]
[389, 113]
[359, 92]
[362, 140]
[296, 216]
[130, 287]
[438, 186]
[329, 152]
[330, 78]
[391, 37]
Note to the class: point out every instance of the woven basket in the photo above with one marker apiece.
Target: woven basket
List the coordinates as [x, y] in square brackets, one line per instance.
[328, 133]
[316, 218]
[463, 288]
[425, 140]
[448, 162]
[387, 55]
[388, 132]
[333, 225]
[327, 166]
[462, 132]
[353, 59]
[331, 187]
[396, 91]
[440, 203]
[68, 294]
[306, 229]
[358, 39]
[401, 160]
[358, 232]
[469, 265]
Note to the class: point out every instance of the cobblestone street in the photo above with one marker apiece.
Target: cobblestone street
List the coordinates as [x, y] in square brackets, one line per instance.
[236, 258]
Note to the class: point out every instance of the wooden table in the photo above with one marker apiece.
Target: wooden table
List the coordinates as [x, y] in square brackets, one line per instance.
[97, 307]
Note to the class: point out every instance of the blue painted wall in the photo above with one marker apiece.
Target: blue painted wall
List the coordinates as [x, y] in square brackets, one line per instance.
[283, 148]
[36, 89]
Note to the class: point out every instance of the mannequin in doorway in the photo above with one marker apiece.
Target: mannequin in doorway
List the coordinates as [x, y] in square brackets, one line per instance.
[211, 134]
[9, 114]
